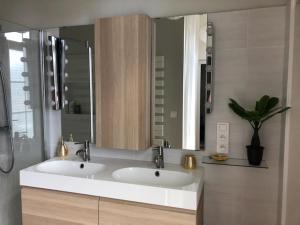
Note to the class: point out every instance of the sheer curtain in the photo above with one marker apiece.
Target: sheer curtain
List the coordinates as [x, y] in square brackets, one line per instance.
[191, 82]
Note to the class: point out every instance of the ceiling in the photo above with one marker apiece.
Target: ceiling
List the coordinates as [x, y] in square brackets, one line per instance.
[54, 13]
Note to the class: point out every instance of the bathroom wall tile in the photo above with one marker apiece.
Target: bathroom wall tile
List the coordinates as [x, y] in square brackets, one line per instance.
[245, 73]
[230, 65]
[266, 27]
[266, 60]
[230, 30]
[247, 188]
[223, 195]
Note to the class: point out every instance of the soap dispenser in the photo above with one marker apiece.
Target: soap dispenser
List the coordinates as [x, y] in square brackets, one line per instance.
[71, 139]
[62, 149]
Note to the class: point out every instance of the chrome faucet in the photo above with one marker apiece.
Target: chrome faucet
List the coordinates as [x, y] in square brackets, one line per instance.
[85, 152]
[159, 156]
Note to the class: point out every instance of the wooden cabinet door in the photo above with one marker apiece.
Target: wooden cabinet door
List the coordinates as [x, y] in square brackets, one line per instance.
[122, 81]
[114, 212]
[44, 207]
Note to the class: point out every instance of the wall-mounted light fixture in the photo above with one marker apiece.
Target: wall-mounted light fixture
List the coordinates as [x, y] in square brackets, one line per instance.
[56, 62]
[209, 67]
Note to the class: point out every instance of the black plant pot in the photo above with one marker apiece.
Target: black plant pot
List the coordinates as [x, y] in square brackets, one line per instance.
[255, 155]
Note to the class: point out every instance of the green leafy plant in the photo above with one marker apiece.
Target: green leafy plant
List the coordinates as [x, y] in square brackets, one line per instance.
[265, 108]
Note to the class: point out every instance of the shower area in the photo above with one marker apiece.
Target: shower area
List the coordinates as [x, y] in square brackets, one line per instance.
[46, 81]
[21, 113]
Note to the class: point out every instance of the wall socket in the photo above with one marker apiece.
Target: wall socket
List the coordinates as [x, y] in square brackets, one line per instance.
[223, 137]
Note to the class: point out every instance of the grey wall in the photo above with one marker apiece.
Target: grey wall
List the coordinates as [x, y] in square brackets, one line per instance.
[169, 43]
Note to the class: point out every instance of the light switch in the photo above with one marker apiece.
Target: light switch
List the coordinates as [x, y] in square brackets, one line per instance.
[223, 138]
[173, 114]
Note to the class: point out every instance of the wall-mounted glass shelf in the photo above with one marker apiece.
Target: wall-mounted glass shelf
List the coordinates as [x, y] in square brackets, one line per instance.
[233, 162]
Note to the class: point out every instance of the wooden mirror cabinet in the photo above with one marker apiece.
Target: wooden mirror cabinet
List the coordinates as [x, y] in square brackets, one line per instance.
[122, 81]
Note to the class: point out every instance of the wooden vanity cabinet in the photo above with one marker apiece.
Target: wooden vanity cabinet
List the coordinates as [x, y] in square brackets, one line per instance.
[122, 82]
[45, 207]
[117, 212]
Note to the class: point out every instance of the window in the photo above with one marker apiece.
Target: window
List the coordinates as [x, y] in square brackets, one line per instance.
[22, 115]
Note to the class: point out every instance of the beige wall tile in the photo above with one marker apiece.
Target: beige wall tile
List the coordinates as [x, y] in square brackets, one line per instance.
[266, 27]
[231, 30]
[245, 72]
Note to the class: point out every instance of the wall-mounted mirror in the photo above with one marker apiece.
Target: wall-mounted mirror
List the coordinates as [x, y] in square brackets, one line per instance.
[77, 111]
[182, 83]
[77, 117]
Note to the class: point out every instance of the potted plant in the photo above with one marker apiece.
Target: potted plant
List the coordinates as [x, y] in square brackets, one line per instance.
[265, 109]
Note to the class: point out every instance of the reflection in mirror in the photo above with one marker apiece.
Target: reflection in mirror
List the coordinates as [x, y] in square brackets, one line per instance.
[21, 67]
[20, 96]
[76, 116]
[180, 82]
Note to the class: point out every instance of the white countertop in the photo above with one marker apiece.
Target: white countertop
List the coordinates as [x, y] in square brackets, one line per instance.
[104, 185]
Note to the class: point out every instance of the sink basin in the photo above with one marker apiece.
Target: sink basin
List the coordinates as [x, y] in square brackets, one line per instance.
[146, 176]
[71, 168]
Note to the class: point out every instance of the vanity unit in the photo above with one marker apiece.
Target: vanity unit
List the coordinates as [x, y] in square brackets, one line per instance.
[124, 192]
[110, 192]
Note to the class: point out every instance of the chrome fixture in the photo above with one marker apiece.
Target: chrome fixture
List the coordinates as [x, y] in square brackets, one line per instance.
[63, 61]
[91, 90]
[159, 156]
[52, 70]
[166, 144]
[56, 63]
[7, 125]
[85, 152]
[209, 67]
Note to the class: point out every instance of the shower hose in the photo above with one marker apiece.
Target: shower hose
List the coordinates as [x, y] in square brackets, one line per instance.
[8, 128]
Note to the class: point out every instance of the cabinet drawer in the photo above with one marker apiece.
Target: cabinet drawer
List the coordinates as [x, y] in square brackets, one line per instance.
[115, 212]
[44, 207]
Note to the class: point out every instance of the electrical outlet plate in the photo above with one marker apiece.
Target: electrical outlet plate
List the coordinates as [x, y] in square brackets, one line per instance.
[223, 137]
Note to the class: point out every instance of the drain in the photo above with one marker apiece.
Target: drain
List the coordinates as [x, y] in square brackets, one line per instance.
[157, 173]
[81, 166]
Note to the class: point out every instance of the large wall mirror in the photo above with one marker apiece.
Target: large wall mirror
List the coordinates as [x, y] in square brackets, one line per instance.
[76, 116]
[75, 47]
[182, 83]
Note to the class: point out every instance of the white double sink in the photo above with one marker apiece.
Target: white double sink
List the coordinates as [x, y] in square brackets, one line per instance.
[134, 175]
[119, 179]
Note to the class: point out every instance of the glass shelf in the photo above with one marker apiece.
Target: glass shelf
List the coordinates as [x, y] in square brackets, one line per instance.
[233, 162]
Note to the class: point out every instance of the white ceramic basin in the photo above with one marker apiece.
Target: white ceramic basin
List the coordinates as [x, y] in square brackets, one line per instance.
[71, 168]
[145, 176]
